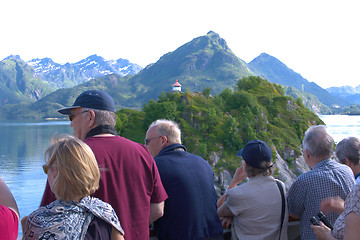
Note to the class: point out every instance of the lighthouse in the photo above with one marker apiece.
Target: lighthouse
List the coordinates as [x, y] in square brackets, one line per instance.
[176, 86]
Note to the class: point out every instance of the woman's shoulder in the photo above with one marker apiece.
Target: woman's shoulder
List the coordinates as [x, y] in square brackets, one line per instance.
[103, 211]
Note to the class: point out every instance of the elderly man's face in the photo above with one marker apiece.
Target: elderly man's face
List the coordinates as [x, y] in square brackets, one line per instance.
[78, 123]
[153, 141]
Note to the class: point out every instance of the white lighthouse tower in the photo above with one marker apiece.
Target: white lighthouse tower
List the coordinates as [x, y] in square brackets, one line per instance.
[176, 86]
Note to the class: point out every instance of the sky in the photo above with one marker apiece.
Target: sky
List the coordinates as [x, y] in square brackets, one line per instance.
[318, 39]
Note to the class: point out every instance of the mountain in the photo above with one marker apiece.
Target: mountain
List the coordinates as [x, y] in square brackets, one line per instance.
[277, 72]
[348, 93]
[27, 82]
[19, 84]
[204, 63]
[72, 74]
[310, 101]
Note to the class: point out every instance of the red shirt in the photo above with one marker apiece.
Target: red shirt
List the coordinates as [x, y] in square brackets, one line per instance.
[9, 224]
[129, 181]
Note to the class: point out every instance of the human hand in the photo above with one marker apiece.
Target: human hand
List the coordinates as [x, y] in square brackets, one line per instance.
[332, 204]
[239, 175]
[322, 232]
[226, 222]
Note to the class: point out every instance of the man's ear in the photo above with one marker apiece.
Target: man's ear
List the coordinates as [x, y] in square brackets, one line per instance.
[307, 153]
[91, 118]
[347, 162]
[164, 141]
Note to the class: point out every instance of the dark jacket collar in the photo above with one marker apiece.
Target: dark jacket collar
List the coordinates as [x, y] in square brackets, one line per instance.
[172, 147]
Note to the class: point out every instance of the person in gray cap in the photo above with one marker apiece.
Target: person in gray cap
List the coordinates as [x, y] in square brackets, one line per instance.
[256, 209]
[130, 180]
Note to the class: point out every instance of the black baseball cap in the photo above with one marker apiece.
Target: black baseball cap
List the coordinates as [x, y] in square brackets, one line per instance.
[255, 152]
[94, 99]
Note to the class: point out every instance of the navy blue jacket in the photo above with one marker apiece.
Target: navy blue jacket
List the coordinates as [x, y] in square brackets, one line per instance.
[190, 210]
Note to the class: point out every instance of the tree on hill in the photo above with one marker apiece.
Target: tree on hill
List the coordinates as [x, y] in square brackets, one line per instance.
[224, 123]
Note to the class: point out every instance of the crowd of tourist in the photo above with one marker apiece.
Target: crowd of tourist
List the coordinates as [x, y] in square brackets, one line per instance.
[103, 186]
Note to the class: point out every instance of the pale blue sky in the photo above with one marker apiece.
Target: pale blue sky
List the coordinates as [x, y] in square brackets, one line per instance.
[316, 38]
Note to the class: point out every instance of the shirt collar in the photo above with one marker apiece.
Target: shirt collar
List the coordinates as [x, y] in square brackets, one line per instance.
[322, 163]
[357, 175]
[171, 148]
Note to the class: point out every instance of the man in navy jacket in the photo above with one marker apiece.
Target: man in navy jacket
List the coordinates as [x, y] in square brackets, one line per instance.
[190, 210]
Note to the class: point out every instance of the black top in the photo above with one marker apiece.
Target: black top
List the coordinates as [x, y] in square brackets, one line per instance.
[98, 230]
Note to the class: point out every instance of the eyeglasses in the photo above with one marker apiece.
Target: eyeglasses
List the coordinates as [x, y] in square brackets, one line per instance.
[72, 116]
[148, 140]
[46, 168]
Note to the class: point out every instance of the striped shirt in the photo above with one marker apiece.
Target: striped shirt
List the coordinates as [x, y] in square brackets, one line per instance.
[328, 178]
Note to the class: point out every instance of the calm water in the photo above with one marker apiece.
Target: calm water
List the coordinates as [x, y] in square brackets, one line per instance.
[342, 126]
[22, 147]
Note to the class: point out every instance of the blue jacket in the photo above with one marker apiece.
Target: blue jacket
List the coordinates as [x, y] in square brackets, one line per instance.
[190, 210]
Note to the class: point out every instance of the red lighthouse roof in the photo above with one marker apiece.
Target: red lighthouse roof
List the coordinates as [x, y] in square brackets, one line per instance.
[177, 84]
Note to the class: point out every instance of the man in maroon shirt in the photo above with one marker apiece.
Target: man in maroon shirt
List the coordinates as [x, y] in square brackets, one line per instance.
[130, 180]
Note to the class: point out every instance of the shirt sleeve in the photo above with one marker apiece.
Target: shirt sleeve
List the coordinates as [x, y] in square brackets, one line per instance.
[296, 198]
[352, 203]
[159, 194]
[9, 223]
[234, 201]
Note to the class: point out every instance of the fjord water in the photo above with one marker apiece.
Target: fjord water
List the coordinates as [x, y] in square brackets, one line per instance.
[22, 146]
[342, 126]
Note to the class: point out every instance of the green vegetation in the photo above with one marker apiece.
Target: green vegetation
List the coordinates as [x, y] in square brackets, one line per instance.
[18, 84]
[224, 123]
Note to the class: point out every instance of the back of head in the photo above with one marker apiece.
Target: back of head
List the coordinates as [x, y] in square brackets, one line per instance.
[78, 172]
[258, 157]
[348, 148]
[318, 142]
[169, 129]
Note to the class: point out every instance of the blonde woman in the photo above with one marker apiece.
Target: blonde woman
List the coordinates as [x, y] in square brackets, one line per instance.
[73, 175]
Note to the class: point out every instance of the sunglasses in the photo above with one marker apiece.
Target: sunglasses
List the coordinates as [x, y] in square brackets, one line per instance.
[72, 116]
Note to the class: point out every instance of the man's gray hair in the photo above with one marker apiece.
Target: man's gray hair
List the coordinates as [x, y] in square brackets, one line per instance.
[318, 141]
[348, 148]
[103, 117]
[169, 129]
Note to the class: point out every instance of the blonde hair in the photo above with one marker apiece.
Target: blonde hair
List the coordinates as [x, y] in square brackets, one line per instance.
[78, 172]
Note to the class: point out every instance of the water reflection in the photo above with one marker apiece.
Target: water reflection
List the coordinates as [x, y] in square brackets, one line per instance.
[22, 147]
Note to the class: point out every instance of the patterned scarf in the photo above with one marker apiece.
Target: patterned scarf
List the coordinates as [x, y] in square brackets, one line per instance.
[68, 220]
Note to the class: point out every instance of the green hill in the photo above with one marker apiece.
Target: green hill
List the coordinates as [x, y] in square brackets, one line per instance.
[47, 107]
[18, 85]
[225, 122]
